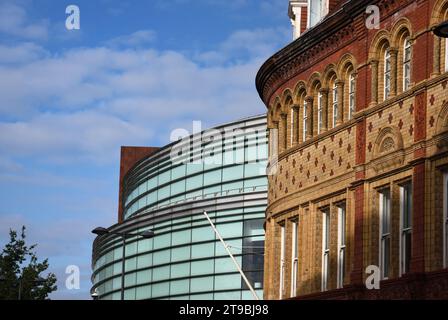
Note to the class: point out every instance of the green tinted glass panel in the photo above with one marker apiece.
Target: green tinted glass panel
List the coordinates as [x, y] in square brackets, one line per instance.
[224, 265]
[194, 182]
[163, 193]
[194, 167]
[230, 230]
[144, 261]
[203, 234]
[143, 293]
[160, 289]
[161, 257]
[179, 287]
[212, 177]
[129, 294]
[232, 173]
[164, 177]
[181, 237]
[180, 254]
[180, 270]
[130, 279]
[131, 264]
[228, 282]
[201, 284]
[162, 241]
[178, 172]
[202, 267]
[233, 295]
[144, 276]
[202, 250]
[178, 187]
[161, 273]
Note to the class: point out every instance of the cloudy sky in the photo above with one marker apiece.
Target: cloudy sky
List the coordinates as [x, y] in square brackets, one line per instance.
[135, 71]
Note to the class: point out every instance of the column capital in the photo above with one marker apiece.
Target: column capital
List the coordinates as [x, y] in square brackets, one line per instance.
[309, 99]
[324, 90]
[393, 51]
[339, 83]
[283, 115]
[374, 62]
[295, 107]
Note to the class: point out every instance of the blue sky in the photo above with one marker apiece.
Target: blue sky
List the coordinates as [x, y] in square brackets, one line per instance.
[134, 72]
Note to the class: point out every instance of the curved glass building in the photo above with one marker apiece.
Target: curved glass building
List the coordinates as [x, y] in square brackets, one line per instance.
[221, 171]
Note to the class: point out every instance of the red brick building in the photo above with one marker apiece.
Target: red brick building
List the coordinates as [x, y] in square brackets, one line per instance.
[361, 179]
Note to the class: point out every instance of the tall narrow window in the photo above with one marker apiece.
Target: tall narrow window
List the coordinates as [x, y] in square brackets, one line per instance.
[335, 104]
[407, 65]
[445, 220]
[325, 249]
[318, 9]
[341, 245]
[387, 74]
[405, 227]
[385, 233]
[292, 127]
[351, 94]
[446, 55]
[282, 260]
[305, 120]
[319, 113]
[295, 257]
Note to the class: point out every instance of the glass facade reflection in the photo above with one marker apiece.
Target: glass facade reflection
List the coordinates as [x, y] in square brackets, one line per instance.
[221, 171]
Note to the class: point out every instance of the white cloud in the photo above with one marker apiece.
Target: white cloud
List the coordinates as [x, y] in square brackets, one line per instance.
[136, 39]
[82, 104]
[14, 21]
[24, 52]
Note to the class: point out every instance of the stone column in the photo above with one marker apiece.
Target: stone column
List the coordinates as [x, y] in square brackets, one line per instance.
[374, 81]
[340, 116]
[393, 71]
[309, 113]
[324, 93]
[295, 128]
[436, 56]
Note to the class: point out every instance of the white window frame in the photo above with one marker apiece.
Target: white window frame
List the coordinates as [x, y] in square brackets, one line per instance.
[342, 216]
[445, 220]
[446, 55]
[325, 248]
[282, 259]
[407, 56]
[319, 113]
[323, 10]
[305, 119]
[383, 236]
[351, 95]
[387, 74]
[294, 257]
[335, 104]
[404, 230]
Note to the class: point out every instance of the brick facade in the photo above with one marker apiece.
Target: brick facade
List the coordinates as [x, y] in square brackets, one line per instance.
[395, 135]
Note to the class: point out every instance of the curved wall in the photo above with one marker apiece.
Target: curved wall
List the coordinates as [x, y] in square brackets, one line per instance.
[221, 171]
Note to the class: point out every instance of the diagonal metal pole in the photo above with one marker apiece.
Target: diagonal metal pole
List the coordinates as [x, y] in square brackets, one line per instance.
[232, 257]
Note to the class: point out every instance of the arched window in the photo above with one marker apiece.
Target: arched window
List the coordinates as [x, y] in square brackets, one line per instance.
[319, 113]
[406, 64]
[387, 74]
[291, 132]
[446, 55]
[351, 95]
[335, 104]
[305, 120]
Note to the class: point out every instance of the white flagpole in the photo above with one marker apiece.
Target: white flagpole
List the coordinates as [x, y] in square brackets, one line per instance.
[231, 256]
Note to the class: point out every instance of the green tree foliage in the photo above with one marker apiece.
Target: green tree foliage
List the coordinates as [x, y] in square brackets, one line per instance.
[21, 271]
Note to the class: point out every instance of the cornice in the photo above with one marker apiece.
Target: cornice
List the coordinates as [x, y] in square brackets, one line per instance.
[333, 33]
